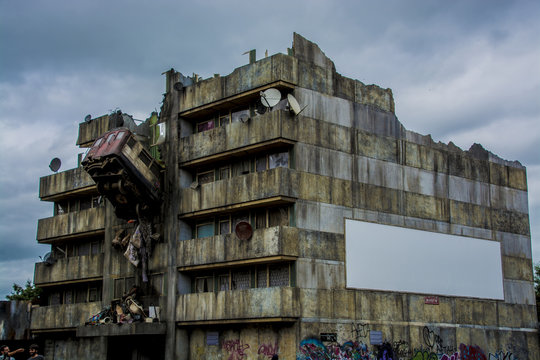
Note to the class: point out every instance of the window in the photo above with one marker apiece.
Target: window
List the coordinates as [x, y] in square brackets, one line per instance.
[224, 172]
[225, 225]
[205, 125]
[205, 177]
[240, 280]
[261, 276]
[278, 216]
[204, 284]
[278, 160]
[278, 275]
[85, 203]
[240, 115]
[224, 120]
[204, 230]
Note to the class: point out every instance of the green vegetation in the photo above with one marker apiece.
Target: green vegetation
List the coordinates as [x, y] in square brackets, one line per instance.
[28, 293]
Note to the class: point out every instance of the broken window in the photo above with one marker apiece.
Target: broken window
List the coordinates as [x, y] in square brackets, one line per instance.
[86, 203]
[94, 294]
[224, 120]
[278, 160]
[204, 284]
[240, 115]
[224, 172]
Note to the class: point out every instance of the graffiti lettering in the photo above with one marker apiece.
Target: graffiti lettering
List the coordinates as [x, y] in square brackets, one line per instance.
[401, 349]
[313, 349]
[268, 350]
[236, 348]
[502, 355]
[454, 356]
[360, 330]
[433, 341]
[425, 355]
[470, 352]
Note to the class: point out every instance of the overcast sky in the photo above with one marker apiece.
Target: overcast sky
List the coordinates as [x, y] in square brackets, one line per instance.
[464, 71]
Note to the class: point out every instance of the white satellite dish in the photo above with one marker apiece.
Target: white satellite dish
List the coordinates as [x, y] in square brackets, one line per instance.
[270, 97]
[293, 104]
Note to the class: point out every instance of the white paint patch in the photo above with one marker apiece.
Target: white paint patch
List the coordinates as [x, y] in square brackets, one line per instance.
[392, 258]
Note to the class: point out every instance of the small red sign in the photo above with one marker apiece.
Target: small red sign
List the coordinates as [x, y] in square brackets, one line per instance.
[431, 300]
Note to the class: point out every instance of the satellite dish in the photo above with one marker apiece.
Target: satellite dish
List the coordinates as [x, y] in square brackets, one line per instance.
[49, 259]
[244, 118]
[88, 118]
[194, 185]
[243, 230]
[55, 164]
[270, 97]
[293, 105]
[178, 86]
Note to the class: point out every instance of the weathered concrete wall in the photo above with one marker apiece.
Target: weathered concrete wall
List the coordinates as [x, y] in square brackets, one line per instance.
[63, 316]
[72, 225]
[75, 348]
[63, 182]
[272, 302]
[245, 342]
[71, 268]
[14, 320]
[240, 189]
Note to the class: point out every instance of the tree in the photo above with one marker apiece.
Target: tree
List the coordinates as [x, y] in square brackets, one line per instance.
[537, 279]
[29, 293]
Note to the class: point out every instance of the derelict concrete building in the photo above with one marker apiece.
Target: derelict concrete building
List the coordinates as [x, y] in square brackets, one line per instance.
[308, 184]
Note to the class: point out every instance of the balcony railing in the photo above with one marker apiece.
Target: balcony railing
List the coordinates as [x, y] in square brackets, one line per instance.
[73, 181]
[68, 269]
[71, 225]
[63, 316]
[263, 132]
[271, 187]
[274, 242]
[266, 304]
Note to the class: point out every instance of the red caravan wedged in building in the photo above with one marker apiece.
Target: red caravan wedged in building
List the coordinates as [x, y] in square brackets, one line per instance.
[124, 172]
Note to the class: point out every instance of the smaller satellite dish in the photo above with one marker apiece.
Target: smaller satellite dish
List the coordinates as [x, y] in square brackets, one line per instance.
[270, 97]
[293, 105]
[49, 259]
[178, 86]
[55, 164]
[88, 118]
[243, 230]
[244, 118]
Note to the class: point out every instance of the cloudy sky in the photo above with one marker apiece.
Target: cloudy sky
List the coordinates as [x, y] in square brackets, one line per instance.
[464, 71]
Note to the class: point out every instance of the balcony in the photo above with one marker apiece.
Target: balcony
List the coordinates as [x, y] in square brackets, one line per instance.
[279, 243]
[90, 131]
[253, 305]
[72, 225]
[62, 317]
[243, 84]
[75, 182]
[263, 132]
[271, 187]
[69, 269]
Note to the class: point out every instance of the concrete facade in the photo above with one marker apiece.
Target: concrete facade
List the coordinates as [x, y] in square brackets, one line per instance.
[283, 291]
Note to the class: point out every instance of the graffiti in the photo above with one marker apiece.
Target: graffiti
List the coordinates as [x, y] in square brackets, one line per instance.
[470, 352]
[401, 349]
[236, 348]
[424, 355]
[502, 355]
[433, 341]
[313, 349]
[268, 350]
[454, 356]
[360, 330]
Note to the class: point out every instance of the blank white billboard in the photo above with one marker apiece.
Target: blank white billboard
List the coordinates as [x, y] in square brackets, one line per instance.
[392, 258]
